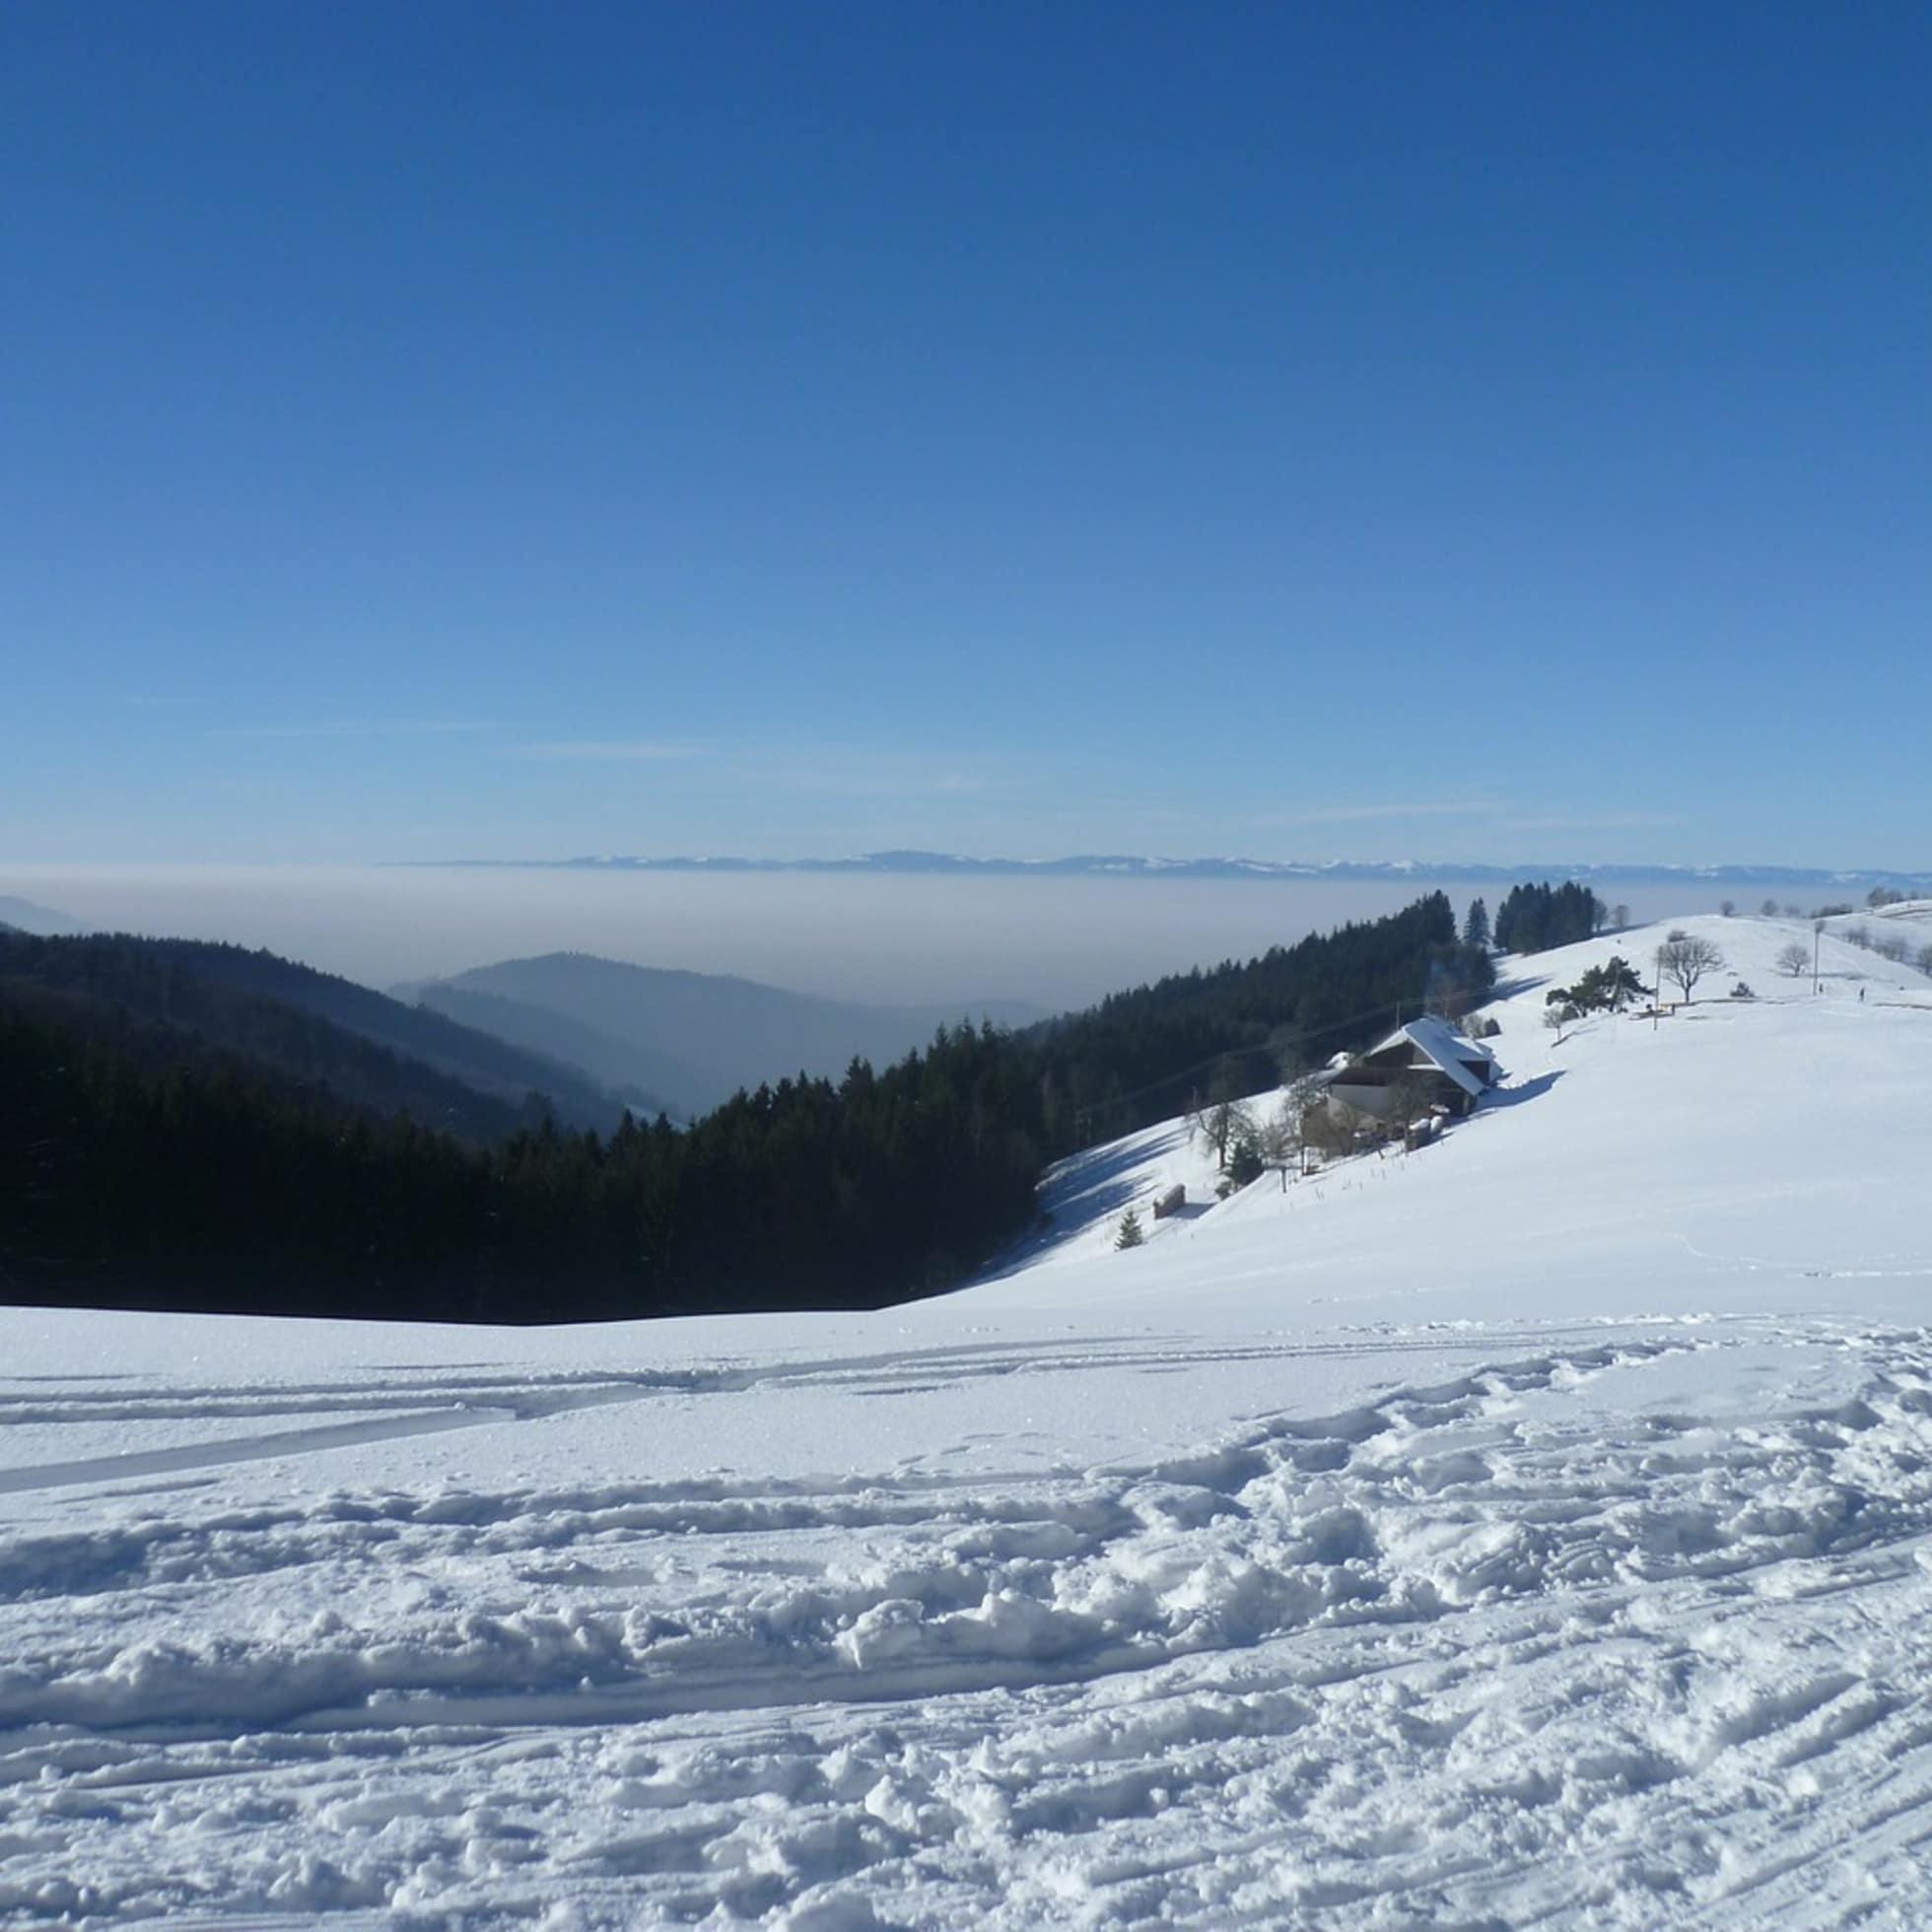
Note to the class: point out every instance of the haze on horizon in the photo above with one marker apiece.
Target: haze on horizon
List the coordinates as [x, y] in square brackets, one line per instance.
[1056, 943]
[1408, 432]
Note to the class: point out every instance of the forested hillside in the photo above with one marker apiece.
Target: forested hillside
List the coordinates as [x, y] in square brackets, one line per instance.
[652, 1083]
[135, 1169]
[1140, 1056]
[366, 1048]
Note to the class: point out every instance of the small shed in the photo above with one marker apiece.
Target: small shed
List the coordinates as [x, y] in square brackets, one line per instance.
[1170, 1202]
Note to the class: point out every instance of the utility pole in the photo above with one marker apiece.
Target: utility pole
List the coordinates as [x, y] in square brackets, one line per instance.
[1816, 932]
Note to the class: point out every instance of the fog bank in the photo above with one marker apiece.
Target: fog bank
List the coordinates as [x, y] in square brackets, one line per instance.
[1058, 943]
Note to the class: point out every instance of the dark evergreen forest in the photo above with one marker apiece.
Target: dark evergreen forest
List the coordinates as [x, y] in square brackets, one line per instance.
[1535, 917]
[362, 1046]
[148, 1160]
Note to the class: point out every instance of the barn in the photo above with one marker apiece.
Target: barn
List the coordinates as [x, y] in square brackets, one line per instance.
[1451, 1071]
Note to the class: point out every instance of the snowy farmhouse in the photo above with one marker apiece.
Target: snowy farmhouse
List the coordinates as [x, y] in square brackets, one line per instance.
[1428, 1054]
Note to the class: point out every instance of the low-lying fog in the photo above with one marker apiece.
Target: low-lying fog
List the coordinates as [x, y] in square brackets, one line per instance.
[1057, 942]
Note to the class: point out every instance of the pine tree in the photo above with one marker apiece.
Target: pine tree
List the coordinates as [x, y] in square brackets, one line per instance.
[1475, 926]
[1128, 1234]
[1244, 1160]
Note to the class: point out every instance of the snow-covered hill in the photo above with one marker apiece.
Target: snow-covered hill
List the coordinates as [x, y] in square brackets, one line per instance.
[1537, 1527]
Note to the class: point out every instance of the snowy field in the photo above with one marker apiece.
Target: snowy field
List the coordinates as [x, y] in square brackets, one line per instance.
[1534, 1529]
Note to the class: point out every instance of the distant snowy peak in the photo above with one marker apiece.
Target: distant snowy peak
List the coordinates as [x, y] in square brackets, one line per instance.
[1133, 866]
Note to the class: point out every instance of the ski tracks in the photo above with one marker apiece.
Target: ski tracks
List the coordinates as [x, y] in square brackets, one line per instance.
[1571, 1636]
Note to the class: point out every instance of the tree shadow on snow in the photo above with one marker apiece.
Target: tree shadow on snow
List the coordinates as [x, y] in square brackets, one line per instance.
[1509, 988]
[1100, 1204]
[1090, 1174]
[1094, 1187]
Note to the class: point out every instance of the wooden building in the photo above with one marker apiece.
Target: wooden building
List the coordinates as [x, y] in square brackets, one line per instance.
[1451, 1071]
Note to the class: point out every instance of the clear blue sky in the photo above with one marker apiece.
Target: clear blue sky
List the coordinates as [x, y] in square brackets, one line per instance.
[1495, 432]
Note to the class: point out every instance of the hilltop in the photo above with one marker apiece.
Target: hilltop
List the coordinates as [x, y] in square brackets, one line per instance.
[24, 916]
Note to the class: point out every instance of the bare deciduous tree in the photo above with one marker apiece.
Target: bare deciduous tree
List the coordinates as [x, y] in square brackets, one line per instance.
[1279, 1140]
[1794, 961]
[1685, 958]
[1302, 1114]
[1225, 1121]
[1225, 1117]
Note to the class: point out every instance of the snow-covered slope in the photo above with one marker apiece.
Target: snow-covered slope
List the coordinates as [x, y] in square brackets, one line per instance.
[1537, 1527]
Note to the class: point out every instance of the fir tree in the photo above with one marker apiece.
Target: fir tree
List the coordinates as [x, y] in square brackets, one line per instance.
[1244, 1160]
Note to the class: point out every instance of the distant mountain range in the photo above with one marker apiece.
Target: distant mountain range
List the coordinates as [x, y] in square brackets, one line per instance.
[1127, 865]
[693, 1039]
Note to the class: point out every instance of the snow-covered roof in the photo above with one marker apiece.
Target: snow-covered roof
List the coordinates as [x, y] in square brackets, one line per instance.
[1442, 1047]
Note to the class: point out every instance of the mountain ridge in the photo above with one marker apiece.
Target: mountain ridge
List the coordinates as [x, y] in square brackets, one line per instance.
[41, 922]
[1141, 865]
[304, 1024]
[692, 1038]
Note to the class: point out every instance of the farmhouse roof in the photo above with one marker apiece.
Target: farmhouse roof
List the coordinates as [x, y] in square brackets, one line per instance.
[1444, 1048]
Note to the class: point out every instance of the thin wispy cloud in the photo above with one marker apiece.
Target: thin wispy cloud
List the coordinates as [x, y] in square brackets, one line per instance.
[786, 769]
[634, 751]
[358, 728]
[838, 771]
[1592, 823]
[1367, 814]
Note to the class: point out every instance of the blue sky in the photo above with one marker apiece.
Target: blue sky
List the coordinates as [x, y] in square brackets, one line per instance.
[1442, 432]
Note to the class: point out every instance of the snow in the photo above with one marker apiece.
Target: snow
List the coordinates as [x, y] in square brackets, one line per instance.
[1535, 1527]
[1915, 912]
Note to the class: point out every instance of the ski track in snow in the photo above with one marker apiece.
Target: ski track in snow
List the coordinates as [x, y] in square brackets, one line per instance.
[1598, 1666]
